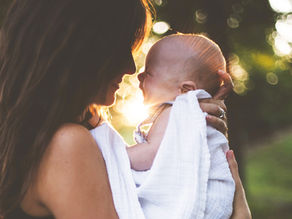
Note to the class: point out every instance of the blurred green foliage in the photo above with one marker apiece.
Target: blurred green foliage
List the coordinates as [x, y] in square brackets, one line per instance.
[269, 179]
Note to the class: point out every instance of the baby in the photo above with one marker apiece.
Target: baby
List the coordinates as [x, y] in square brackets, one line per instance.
[174, 66]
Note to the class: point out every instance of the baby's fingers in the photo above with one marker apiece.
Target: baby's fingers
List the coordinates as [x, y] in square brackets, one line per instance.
[227, 86]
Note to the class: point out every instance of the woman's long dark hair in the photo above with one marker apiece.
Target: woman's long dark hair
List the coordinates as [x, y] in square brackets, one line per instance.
[56, 56]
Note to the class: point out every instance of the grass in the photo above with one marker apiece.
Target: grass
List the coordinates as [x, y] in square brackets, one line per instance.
[269, 180]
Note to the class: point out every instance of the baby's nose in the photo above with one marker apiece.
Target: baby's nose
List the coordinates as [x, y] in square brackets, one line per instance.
[141, 77]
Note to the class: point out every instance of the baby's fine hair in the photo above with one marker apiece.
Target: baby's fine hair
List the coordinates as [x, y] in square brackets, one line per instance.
[205, 60]
[206, 49]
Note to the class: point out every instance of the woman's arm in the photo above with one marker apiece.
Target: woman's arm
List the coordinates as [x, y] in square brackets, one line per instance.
[72, 180]
[240, 205]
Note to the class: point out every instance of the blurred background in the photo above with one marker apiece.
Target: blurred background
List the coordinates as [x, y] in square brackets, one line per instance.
[256, 39]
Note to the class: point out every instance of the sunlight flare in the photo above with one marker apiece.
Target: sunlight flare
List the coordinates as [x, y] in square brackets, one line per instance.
[133, 109]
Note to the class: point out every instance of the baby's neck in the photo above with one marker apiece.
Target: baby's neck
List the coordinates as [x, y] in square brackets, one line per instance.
[157, 105]
[155, 111]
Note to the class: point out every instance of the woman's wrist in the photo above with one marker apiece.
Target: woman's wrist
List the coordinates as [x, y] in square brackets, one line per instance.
[240, 206]
[242, 214]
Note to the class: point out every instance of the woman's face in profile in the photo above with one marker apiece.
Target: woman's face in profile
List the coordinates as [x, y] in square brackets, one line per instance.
[127, 67]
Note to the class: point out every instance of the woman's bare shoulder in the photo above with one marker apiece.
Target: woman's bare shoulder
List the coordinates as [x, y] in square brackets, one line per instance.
[73, 175]
[71, 142]
[69, 135]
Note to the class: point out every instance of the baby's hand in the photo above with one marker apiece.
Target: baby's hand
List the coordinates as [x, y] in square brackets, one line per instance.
[227, 86]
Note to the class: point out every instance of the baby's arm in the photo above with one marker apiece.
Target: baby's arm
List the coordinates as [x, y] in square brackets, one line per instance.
[142, 155]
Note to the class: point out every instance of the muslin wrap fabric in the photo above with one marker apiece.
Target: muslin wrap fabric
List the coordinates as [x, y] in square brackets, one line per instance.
[123, 188]
[189, 178]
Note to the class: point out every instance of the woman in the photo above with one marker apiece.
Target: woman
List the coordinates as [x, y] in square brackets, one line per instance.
[57, 58]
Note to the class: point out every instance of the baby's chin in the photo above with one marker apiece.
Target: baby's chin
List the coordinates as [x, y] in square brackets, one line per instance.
[147, 103]
[152, 103]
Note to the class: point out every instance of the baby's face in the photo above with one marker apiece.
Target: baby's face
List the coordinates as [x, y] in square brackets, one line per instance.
[160, 80]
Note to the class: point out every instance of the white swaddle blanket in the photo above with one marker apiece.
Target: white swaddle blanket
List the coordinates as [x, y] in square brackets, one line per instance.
[190, 176]
[183, 183]
[118, 168]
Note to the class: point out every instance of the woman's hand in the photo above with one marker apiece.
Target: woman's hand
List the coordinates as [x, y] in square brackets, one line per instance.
[240, 205]
[215, 107]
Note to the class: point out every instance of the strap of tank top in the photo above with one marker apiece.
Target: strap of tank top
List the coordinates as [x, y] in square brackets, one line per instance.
[154, 115]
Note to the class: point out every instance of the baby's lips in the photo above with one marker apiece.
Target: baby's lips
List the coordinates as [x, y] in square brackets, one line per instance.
[141, 87]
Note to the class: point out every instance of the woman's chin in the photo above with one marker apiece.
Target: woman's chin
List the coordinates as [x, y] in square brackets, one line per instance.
[111, 96]
[110, 102]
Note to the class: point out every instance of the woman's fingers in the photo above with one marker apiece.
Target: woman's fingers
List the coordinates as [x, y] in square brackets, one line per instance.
[218, 124]
[214, 109]
[212, 106]
[240, 206]
[227, 86]
[233, 166]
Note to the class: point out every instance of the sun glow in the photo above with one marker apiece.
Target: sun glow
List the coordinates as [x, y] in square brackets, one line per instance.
[129, 105]
[129, 110]
[133, 109]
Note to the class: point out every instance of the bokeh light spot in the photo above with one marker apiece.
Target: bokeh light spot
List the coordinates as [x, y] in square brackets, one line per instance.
[158, 2]
[272, 78]
[201, 16]
[239, 75]
[282, 6]
[233, 22]
[160, 27]
[282, 47]
[239, 88]
[284, 28]
[237, 71]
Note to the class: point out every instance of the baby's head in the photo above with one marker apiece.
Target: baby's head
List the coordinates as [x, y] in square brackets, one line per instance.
[179, 63]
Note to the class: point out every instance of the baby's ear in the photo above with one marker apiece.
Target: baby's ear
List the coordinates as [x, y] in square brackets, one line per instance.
[186, 86]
